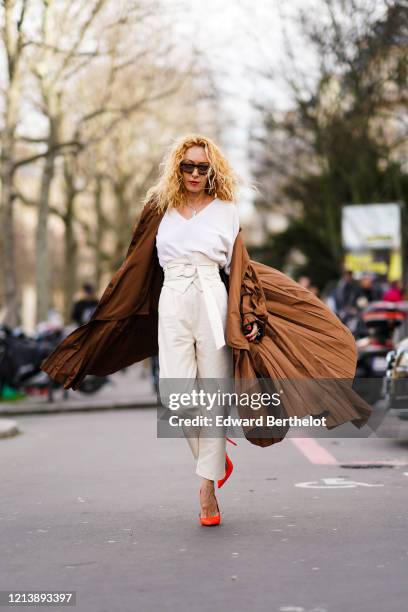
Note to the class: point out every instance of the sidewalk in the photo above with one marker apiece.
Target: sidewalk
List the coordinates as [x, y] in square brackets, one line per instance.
[127, 389]
[8, 428]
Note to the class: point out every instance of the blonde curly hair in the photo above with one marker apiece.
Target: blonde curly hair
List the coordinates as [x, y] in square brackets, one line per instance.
[169, 191]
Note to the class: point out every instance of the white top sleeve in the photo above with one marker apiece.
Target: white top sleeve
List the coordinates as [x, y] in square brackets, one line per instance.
[212, 231]
[235, 231]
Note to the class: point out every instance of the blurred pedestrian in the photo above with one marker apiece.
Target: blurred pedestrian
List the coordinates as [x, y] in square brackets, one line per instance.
[394, 293]
[85, 305]
[345, 296]
[369, 290]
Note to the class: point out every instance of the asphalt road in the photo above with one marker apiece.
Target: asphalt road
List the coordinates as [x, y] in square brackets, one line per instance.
[95, 503]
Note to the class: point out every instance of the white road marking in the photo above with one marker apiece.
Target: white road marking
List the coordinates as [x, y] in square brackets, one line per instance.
[334, 483]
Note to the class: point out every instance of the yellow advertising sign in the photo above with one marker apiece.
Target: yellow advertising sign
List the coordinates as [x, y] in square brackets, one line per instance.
[365, 262]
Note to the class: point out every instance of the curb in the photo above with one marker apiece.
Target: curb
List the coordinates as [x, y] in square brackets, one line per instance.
[8, 428]
[77, 406]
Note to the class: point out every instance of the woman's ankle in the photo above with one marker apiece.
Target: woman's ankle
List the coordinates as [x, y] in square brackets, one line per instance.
[207, 485]
[208, 501]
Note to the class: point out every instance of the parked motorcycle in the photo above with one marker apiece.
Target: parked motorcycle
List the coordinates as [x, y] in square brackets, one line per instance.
[21, 357]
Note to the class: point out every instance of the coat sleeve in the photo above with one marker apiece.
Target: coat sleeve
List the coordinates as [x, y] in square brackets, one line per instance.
[139, 227]
[138, 230]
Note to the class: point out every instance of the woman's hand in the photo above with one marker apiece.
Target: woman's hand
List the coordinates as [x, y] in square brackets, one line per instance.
[253, 333]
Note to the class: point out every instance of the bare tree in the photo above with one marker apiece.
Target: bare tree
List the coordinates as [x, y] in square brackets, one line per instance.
[101, 98]
[91, 65]
[339, 143]
[12, 38]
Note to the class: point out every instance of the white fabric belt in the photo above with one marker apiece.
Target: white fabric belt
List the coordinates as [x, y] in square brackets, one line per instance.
[198, 266]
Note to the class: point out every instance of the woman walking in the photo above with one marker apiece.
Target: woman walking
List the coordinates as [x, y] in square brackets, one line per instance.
[188, 291]
[194, 241]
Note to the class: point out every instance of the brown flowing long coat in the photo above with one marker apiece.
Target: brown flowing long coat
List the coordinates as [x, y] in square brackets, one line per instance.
[303, 338]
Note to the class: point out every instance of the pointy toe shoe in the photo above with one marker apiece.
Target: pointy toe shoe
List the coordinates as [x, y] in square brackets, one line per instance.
[209, 521]
[229, 466]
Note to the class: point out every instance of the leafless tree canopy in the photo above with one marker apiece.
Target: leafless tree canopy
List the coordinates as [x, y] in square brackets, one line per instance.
[91, 95]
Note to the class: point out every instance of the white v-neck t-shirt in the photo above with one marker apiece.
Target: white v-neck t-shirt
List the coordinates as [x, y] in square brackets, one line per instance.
[211, 231]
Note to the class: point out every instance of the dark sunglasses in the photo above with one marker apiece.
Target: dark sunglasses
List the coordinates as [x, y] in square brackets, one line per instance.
[189, 168]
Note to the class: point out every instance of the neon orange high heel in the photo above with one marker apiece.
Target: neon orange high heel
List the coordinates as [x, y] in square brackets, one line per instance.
[229, 466]
[209, 521]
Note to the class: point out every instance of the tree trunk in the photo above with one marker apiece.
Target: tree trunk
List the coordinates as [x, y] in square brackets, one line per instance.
[12, 40]
[10, 298]
[71, 246]
[123, 222]
[42, 262]
[100, 230]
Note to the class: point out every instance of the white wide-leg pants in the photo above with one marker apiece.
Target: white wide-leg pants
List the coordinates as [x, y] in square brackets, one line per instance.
[190, 328]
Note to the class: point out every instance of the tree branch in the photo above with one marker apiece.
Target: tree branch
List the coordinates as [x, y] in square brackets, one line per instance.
[50, 150]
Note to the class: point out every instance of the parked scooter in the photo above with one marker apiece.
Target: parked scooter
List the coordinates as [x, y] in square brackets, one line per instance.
[21, 357]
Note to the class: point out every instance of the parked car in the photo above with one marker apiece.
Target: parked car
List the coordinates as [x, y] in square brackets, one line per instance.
[381, 320]
[396, 380]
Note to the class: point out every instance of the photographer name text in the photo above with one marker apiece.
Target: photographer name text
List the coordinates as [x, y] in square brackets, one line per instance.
[261, 421]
